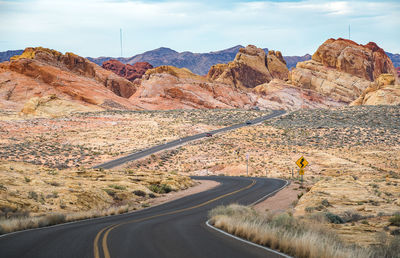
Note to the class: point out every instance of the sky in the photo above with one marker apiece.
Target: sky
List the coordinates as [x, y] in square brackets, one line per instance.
[92, 27]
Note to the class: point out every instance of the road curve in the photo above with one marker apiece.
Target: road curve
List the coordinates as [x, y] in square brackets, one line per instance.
[174, 229]
[168, 145]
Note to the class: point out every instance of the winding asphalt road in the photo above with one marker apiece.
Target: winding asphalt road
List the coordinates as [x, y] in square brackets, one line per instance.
[174, 229]
[168, 145]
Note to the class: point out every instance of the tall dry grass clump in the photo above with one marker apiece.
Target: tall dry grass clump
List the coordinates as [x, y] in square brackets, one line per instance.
[8, 225]
[282, 232]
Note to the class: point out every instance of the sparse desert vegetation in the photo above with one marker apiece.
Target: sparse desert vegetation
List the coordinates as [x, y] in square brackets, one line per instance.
[354, 155]
[86, 139]
[45, 162]
[298, 237]
[52, 196]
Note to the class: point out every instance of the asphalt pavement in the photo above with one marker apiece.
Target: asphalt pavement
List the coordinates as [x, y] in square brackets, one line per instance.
[177, 142]
[174, 229]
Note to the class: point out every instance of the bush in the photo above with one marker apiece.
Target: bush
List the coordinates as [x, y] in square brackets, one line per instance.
[139, 193]
[163, 188]
[118, 187]
[395, 220]
[333, 218]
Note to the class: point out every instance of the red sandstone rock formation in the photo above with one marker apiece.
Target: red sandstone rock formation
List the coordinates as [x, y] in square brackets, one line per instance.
[250, 68]
[130, 72]
[364, 61]
[40, 72]
[342, 69]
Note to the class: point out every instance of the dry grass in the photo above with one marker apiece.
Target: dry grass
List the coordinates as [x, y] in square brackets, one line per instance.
[283, 232]
[23, 223]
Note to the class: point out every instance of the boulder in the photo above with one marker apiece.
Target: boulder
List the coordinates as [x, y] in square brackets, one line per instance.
[247, 70]
[277, 65]
[342, 69]
[383, 91]
[364, 61]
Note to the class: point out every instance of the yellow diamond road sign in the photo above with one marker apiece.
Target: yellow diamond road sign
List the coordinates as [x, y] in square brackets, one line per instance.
[302, 162]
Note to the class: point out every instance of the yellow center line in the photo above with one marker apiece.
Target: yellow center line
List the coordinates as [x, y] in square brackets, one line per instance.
[108, 229]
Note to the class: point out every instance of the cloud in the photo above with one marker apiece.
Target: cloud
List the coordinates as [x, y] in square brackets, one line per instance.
[91, 28]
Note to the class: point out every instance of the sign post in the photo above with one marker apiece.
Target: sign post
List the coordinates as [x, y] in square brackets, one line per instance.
[301, 163]
[247, 168]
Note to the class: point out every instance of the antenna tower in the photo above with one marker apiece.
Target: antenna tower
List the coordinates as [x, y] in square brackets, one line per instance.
[120, 39]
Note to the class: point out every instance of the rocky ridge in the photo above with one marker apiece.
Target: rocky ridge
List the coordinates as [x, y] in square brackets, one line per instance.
[129, 72]
[383, 91]
[342, 69]
[40, 72]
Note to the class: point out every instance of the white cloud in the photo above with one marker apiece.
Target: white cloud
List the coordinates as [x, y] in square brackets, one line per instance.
[91, 28]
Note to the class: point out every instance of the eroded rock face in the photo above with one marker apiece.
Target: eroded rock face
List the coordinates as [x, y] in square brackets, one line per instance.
[168, 87]
[278, 94]
[40, 72]
[246, 71]
[364, 61]
[329, 82]
[130, 72]
[341, 69]
[383, 91]
[277, 65]
[72, 63]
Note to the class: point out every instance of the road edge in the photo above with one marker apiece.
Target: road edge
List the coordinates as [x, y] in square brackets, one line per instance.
[252, 204]
[97, 218]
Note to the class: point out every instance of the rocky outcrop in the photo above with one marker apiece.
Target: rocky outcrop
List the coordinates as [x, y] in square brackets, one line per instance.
[52, 106]
[364, 61]
[129, 72]
[278, 94]
[249, 68]
[72, 63]
[329, 82]
[40, 72]
[168, 87]
[383, 91]
[341, 69]
[277, 65]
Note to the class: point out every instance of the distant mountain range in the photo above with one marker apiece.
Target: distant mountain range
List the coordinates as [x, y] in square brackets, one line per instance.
[6, 55]
[198, 63]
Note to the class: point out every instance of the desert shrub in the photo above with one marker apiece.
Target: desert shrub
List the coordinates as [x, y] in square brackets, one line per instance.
[333, 218]
[325, 203]
[395, 220]
[282, 232]
[163, 188]
[33, 195]
[118, 187]
[351, 216]
[27, 179]
[52, 219]
[139, 193]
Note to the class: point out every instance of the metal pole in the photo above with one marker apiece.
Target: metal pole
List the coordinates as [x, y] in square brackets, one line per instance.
[247, 169]
[120, 39]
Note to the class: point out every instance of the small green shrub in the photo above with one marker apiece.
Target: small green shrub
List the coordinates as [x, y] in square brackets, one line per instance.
[139, 193]
[395, 220]
[333, 218]
[163, 188]
[118, 187]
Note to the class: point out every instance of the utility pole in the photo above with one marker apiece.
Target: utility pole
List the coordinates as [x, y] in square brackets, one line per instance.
[247, 169]
[120, 39]
[349, 31]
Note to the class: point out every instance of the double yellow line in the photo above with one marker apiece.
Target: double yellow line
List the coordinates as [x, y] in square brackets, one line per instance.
[108, 229]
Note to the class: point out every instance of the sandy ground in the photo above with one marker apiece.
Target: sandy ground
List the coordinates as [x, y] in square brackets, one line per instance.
[281, 201]
[201, 185]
